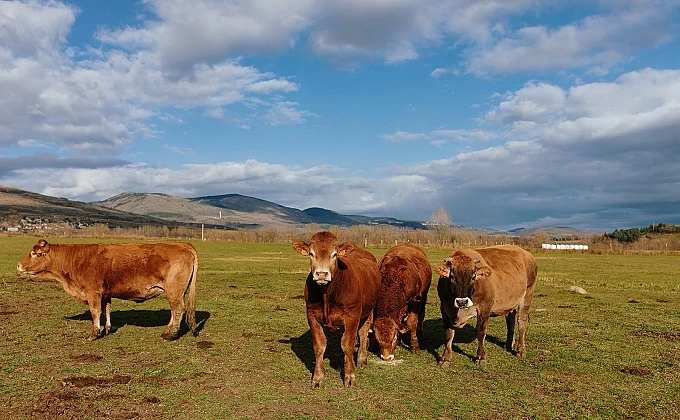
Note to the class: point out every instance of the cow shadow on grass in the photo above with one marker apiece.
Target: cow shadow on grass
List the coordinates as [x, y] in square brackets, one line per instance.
[146, 319]
[302, 347]
[433, 332]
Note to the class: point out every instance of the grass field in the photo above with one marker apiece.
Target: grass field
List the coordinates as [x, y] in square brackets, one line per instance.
[613, 353]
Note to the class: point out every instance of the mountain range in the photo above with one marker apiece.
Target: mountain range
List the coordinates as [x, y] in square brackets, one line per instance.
[232, 211]
[227, 211]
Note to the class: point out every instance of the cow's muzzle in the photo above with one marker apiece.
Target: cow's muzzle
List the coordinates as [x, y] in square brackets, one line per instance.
[462, 303]
[322, 277]
[388, 357]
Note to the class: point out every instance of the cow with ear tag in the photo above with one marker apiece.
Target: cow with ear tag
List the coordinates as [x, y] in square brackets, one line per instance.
[482, 283]
[340, 291]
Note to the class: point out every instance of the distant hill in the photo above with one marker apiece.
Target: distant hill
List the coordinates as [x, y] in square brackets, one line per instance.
[552, 232]
[16, 204]
[239, 210]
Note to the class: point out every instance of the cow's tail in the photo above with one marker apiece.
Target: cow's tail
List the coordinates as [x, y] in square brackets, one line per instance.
[190, 295]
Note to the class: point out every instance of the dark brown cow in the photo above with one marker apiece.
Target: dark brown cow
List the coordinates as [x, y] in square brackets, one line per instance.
[406, 276]
[96, 273]
[341, 290]
[484, 282]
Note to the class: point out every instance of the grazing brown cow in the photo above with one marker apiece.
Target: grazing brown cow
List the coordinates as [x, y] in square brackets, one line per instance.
[341, 290]
[484, 282]
[406, 277]
[95, 273]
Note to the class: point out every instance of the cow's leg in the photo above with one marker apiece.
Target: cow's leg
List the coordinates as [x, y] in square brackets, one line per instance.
[421, 318]
[510, 321]
[95, 304]
[319, 346]
[348, 341]
[106, 304]
[177, 311]
[412, 324]
[482, 323]
[523, 325]
[362, 355]
[448, 349]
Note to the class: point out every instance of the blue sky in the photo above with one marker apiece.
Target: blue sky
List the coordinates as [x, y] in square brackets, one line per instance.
[507, 114]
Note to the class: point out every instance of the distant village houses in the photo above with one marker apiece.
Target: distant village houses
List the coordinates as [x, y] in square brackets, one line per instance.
[28, 224]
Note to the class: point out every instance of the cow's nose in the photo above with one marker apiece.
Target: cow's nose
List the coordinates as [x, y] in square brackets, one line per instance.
[321, 274]
[461, 303]
[389, 357]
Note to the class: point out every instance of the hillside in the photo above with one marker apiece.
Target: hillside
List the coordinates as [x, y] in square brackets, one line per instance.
[239, 210]
[552, 232]
[16, 204]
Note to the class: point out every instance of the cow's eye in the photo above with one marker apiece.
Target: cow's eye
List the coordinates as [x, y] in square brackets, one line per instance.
[334, 255]
[311, 254]
[33, 254]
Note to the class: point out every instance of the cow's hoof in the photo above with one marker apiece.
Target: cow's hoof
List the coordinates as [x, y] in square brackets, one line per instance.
[350, 380]
[444, 364]
[169, 337]
[415, 349]
[362, 363]
[317, 383]
[480, 362]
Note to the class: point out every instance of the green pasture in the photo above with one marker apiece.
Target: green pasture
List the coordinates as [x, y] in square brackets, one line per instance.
[612, 353]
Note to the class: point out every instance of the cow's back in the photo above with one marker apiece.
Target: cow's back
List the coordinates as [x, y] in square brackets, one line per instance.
[419, 274]
[361, 278]
[514, 272]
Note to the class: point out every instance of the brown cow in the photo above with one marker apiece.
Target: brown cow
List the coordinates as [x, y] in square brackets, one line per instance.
[406, 277]
[96, 273]
[484, 282]
[340, 290]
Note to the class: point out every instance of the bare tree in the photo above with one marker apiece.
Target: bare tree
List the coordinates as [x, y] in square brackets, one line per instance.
[441, 224]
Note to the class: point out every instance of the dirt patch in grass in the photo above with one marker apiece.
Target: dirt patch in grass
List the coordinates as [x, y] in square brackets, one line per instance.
[204, 344]
[659, 335]
[85, 381]
[86, 358]
[76, 404]
[636, 371]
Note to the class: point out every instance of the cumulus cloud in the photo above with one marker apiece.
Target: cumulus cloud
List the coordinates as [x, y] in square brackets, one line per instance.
[597, 42]
[595, 151]
[182, 33]
[52, 95]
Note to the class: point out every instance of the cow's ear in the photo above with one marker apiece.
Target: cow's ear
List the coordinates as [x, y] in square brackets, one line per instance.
[43, 246]
[443, 270]
[301, 247]
[483, 271]
[344, 249]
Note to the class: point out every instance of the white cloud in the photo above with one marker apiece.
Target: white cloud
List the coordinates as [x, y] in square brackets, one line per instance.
[534, 103]
[404, 136]
[286, 113]
[205, 31]
[103, 102]
[597, 42]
